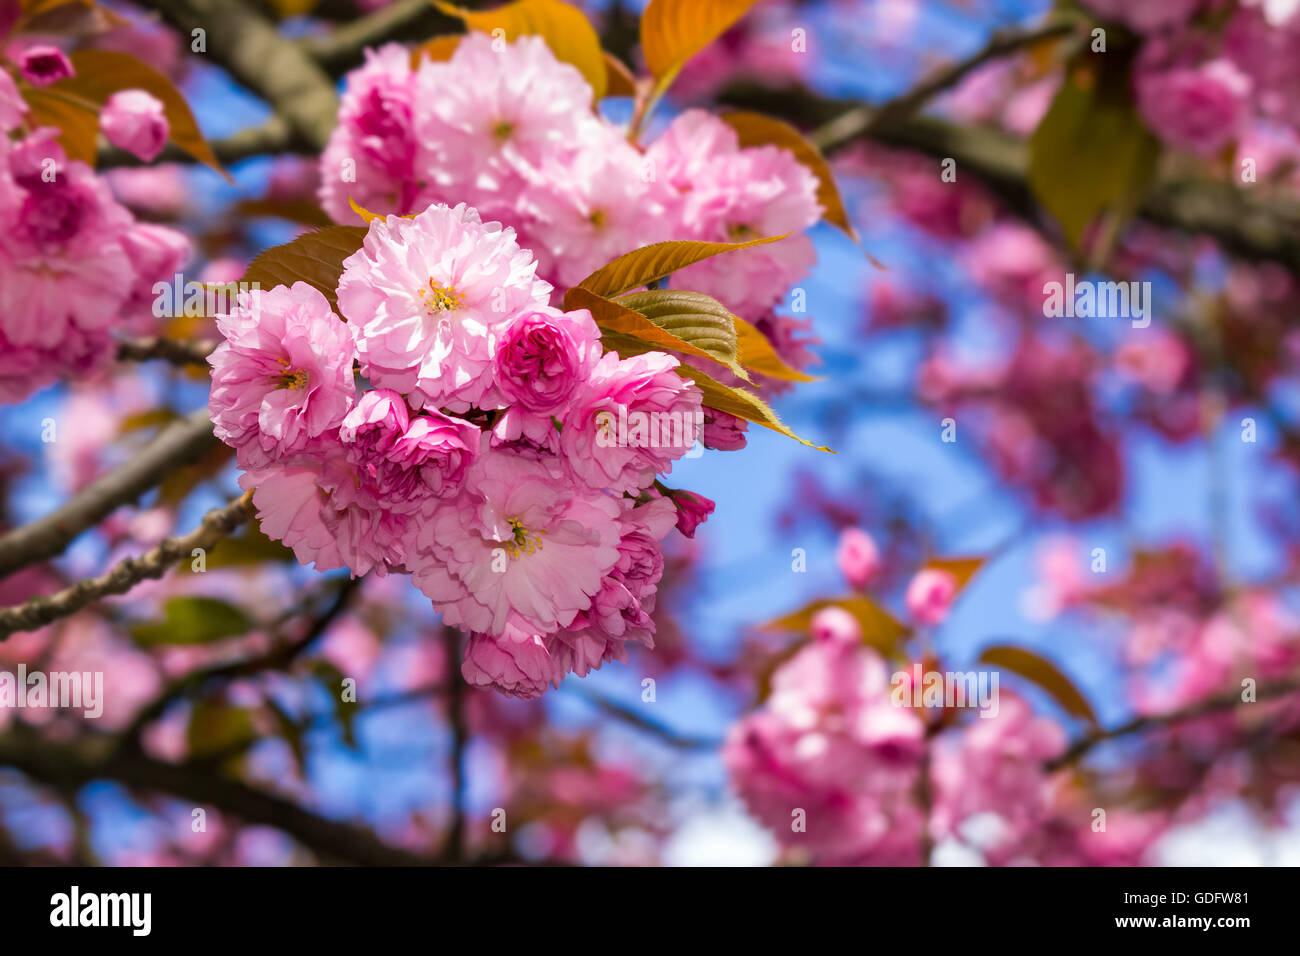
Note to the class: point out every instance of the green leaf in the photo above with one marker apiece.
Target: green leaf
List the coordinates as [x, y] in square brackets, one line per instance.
[315, 258]
[76, 119]
[742, 404]
[250, 548]
[629, 332]
[692, 317]
[1090, 153]
[564, 27]
[653, 262]
[1045, 674]
[217, 728]
[192, 620]
[880, 629]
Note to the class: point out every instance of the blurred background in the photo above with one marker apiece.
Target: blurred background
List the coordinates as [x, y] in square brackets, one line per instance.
[1172, 448]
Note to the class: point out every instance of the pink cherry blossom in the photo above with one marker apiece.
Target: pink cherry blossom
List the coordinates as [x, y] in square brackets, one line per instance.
[521, 545]
[283, 375]
[858, 557]
[428, 299]
[929, 595]
[516, 663]
[632, 419]
[135, 121]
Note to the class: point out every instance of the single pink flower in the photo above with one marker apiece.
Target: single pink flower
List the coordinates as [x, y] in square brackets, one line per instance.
[135, 121]
[42, 64]
[858, 557]
[631, 421]
[283, 375]
[520, 545]
[930, 594]
[428, 299]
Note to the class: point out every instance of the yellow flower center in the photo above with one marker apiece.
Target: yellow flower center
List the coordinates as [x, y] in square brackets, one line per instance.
[502, 130]
[522, 540]
[739, 230]
[290, 378]
[597, 218]
[439, 298]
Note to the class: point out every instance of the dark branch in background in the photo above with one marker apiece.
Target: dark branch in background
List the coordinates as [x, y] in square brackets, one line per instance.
[252, 50]
[1002, 43]
[1255, 227]
[343, 47]
[634, 718]
[40, 611]
[273, 136]
[277, 658]
[169, 350]
[179, 444]
[1205, 708]
[454, 844]
[70, 766]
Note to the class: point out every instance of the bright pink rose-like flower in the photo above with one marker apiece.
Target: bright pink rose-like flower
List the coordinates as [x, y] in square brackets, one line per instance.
[521, 545]
[858, 557]
[1198, 108]
[620, 611]
[283, 375]
[41, 65]
[728, 194]
[544, 357]
[428, 299]
[515, 663]
[135, 121]
[371, 155]
[929, 595]
[631, 421]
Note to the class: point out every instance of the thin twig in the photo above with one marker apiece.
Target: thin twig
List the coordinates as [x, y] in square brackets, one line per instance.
[1147, 722]
[177, 445]
[40, 611]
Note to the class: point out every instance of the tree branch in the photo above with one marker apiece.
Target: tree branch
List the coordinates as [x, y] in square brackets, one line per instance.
[342, 48]
[169, 350]
[1001, 43]
[1137, 725]
[252, 50]
[40, 611]
[179, 444]
[70, 766]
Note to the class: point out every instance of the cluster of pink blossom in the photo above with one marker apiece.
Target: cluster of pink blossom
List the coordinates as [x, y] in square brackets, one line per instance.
[491, 455]
[1039, 421]
[1200, 90]
[512, 131]
[833, 741]
[74, 263]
